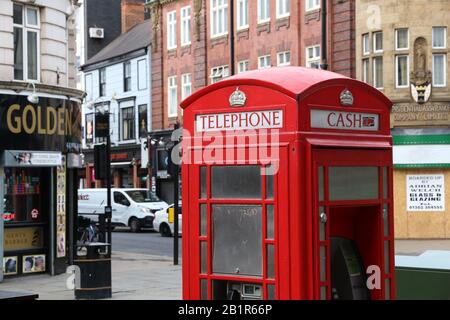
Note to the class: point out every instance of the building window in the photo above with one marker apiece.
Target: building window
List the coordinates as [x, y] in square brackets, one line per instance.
[26, 42]
[263, 11]
[127, 76]
[243, 66]
[378, 72]
[186, 26]
[128, 126]
[143, 128]
[401, 39]
[142, 74]
[242, 14]
[102, 82]
[283, 9]
[439, 70]
[219, 73]
[171, 30]
[173, 97]
[284, 58]
[378, 41]
[186, 85]
[439, 38]
[365, 44]
[365, 70]
[264, 62]
[88, 86]
[312, 4]
[402, 71]
[219, 17]
[313, 57]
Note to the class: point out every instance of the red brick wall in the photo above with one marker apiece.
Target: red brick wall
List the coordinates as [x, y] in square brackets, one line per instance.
[302, 29]
[132, 14]
[181, 60]
[277, 35]
[311, 30]
[343, 37]
[157, 97]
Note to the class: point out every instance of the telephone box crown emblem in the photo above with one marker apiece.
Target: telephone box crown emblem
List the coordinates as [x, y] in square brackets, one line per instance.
[237, 98]
[346, 98]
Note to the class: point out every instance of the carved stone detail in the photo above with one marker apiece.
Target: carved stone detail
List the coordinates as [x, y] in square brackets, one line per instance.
[198, 6]
[155, 16]
[421, 77]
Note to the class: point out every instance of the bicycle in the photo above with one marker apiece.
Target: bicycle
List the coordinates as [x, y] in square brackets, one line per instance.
[89, 232]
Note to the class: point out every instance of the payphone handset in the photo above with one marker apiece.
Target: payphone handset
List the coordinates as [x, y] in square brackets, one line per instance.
[348, 275]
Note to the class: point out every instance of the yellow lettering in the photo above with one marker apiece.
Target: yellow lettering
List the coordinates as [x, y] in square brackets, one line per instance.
[40, 129]
[50, 129]
[61, 121]
[16, 127]
[29, 129]
[68, 122]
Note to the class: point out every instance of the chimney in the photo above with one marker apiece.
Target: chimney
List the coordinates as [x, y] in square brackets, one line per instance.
[132, 13]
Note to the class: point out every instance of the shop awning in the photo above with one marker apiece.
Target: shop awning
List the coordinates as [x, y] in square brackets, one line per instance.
[422, 151]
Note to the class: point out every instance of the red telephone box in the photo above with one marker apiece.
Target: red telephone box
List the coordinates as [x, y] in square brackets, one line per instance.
[287, 188]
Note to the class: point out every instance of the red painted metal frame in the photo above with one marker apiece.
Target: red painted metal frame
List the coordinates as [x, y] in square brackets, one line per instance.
[295, 91]
[343, 157]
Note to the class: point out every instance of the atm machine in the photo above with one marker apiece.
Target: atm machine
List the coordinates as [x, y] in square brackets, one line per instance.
[348, 273]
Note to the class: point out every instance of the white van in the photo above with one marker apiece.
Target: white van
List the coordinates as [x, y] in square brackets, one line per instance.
[162, 224]
[130, 207]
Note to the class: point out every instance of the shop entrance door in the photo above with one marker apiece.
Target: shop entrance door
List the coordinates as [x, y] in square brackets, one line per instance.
[352, 223]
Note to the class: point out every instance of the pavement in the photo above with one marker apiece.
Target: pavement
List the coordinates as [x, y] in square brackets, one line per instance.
[137, 276]
[417, 247]
[134, 277]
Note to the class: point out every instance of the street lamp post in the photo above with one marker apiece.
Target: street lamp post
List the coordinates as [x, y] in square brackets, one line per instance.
[108, 209]
[174, 172]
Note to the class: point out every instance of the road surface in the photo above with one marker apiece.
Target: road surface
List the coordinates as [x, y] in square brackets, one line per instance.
[146, 242]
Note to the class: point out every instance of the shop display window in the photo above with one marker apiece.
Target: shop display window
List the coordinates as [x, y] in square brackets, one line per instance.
[23, 201]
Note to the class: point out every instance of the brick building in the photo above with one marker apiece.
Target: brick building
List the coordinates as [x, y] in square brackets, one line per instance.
[194, 44]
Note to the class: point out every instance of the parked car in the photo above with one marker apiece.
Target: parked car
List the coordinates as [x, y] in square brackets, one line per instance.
[134, 208]
[162, 225]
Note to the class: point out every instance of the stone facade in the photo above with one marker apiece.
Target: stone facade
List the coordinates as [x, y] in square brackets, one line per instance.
[57, 42]
[420, 116]
[419, 17]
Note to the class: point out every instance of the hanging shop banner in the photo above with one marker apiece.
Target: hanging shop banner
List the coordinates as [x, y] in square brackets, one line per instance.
[425, 192]
[15, 158]
[101, 125]
[51, 124]
[61, 210]
[23, 238]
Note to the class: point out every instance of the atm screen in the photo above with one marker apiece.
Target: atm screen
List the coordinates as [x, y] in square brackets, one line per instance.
[348, 275]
